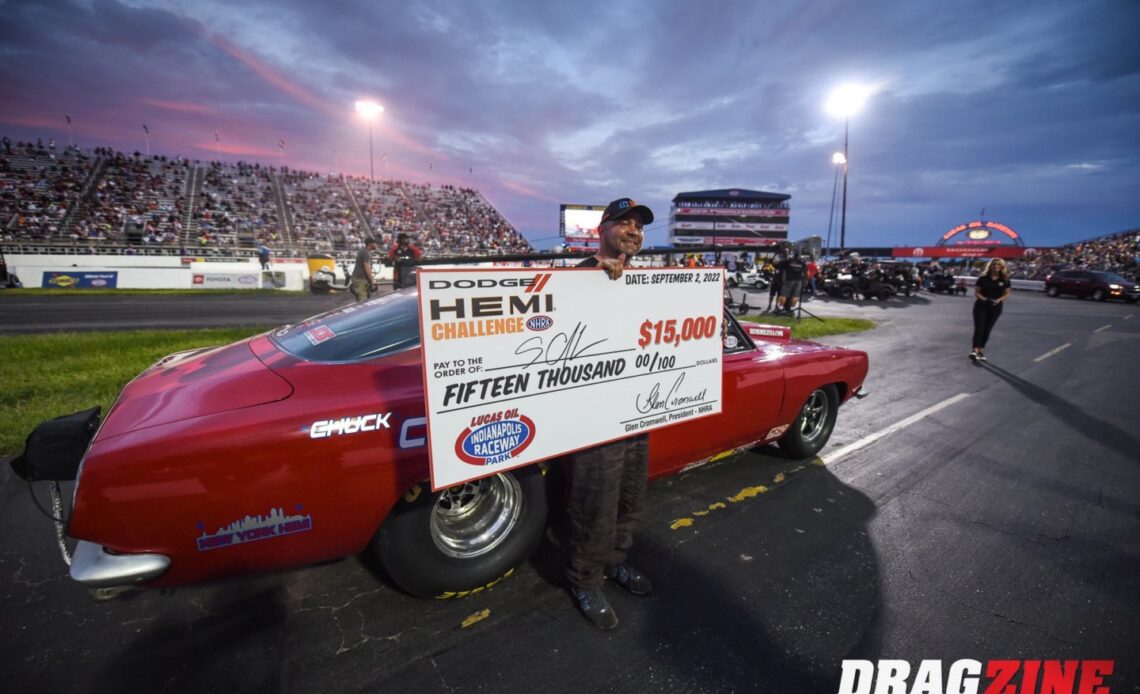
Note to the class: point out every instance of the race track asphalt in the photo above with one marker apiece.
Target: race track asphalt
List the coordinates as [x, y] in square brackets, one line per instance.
[960, 511]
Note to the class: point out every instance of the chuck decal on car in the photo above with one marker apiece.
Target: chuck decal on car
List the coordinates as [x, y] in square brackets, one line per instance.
[495, 438]
[254, 528]
[349, 425]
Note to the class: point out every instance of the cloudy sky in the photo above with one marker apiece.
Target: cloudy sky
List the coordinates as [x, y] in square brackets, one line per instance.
[1030, 110]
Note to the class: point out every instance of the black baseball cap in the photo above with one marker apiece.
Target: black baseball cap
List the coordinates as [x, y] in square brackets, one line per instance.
[623, 206]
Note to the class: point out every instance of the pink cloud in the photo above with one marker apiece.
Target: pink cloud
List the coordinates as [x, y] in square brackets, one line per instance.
[179, 106]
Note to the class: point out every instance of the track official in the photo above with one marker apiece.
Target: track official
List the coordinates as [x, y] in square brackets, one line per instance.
[607, 482]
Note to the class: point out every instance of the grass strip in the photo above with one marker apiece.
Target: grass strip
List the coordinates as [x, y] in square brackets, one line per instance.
[49, 375]
[809, 328]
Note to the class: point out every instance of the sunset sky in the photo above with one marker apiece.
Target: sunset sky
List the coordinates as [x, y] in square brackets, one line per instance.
[1030, 110]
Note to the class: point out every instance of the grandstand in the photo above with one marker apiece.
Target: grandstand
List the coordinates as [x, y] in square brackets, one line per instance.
[105, 201]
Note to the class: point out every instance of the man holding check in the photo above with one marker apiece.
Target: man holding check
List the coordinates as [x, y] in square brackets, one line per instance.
[607, 482]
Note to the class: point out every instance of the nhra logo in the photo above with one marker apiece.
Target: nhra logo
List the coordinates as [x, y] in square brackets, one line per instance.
[495, 438]
[539, 323]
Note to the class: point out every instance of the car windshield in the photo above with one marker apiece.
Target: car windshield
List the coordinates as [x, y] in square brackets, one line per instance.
[381, 326]
[1110, 277]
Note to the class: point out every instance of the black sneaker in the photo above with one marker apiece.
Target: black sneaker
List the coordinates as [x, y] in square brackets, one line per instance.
[629, 578]
[973, 356]
[982, 357]
[593, 604]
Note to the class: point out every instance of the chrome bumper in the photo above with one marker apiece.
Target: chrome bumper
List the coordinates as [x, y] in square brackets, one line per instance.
[94, 567]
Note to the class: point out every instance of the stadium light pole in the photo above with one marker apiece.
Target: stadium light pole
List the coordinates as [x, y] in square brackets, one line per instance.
[837, 159]
[845, 102]
[370, 111]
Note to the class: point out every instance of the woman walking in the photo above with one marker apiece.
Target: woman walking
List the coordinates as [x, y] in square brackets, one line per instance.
[990, 292]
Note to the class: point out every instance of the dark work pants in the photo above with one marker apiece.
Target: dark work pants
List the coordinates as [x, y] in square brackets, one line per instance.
[607, 484]
[985, 315]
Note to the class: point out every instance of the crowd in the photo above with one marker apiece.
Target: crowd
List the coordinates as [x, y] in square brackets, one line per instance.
[105, 198]
[108, 198]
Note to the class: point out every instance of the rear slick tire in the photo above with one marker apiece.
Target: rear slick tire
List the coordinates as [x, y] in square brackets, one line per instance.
[812, 428]
[464, 538]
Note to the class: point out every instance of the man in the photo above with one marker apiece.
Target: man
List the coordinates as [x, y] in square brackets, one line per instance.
[791, 271]
[812, 273]
[403, 256]
[263, 255]
[607, 482]
[363, 281]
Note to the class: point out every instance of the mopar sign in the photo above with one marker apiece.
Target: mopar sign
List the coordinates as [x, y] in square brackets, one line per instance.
[495, 442]
[539, 323]
[80, 280]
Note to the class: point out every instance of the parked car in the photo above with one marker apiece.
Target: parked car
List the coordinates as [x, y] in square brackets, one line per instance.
[308, 443]
[1092, 284]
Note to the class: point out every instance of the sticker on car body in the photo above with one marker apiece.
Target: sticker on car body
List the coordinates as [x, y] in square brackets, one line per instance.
[349, 425]
[253, 528]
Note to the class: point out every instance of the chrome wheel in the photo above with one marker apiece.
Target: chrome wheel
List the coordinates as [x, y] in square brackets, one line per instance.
[473, 518]
[813, 417]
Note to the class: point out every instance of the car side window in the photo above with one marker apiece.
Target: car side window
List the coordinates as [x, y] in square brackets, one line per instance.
[733, 337]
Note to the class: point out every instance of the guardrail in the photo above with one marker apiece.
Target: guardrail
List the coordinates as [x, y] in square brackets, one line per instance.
[1026, 285]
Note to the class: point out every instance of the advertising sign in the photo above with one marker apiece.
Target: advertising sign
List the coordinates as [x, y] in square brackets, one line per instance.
[220, 280]
[80, 280]
[521, 366]
[959, 252]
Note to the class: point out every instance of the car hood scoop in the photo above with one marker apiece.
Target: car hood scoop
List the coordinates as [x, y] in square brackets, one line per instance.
[194, 384]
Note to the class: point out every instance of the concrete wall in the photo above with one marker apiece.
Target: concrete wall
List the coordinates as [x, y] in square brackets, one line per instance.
[166, 272]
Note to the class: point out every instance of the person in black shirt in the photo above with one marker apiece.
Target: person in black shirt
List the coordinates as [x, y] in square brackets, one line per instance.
[791, 271]
[990, 292]
[403, 257]
[607, 482]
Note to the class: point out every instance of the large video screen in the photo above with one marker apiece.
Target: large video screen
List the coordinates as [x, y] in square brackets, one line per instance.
[579, 224]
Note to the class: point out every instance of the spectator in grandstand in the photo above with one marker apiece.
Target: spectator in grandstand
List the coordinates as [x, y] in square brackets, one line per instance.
[607, 482]
[363, 281]
[403, 257]
[263, 255]
[991, 290]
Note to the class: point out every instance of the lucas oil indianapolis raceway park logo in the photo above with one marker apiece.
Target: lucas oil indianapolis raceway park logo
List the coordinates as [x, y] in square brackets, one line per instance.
[495, 438]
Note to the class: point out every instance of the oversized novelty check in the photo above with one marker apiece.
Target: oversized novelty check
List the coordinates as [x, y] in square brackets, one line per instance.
[521, 365]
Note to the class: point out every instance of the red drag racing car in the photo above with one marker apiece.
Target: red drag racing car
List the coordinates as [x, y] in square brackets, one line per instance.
[288, 449]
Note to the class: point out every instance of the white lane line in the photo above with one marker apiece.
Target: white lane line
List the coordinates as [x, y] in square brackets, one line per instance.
[1051, 352]
[868, 440]
[1128, 316]
[1103, 327]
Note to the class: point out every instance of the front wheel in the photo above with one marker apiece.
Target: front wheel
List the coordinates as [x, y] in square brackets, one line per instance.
[884, 294]
[814, 424]
[847, 292]
[466, 537]
[1099, 294]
